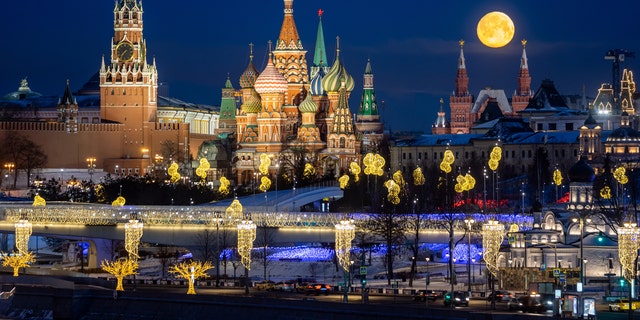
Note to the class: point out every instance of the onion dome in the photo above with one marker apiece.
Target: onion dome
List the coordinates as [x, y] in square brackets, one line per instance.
[253, 104]
[331, 82]
[581, 172]
[316, 84]
[271, 80]
[249, 76]
[308, 105]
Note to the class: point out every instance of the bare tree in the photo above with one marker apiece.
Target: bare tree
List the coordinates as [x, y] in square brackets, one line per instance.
[205, 245]
[264, 237]
[23, 153]
[390, 227]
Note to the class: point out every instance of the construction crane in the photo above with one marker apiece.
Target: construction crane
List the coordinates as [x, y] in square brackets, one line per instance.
[617, 56]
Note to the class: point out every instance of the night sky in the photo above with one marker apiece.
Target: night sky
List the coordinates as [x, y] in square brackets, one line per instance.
[413, 45]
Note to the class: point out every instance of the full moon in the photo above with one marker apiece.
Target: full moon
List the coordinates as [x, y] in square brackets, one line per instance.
[495, 29]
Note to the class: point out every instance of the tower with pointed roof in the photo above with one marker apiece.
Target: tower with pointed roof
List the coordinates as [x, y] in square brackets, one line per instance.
[272, 88]
[320, 62]
[441, 126]
[128, 84]
[289, 55]
[332, 83]
[68, 110]
[461, 100]
[591, 138]
[368, 118]
[627, 90]
[319, 69]
[341, 139]
[521, 97]
[227, 123]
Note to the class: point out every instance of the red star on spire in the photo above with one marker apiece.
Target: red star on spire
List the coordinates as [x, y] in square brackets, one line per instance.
[320, 12]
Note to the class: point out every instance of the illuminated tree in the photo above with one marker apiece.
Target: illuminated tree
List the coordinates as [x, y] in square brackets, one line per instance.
[120, 269]
[17, 260]
[190, 271]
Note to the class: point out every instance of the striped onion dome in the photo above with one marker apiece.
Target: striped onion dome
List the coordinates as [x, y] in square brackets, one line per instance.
[249, 76]
[331, 82]
[316, 84]
[271, 80]
[253, 104]
[308, 105]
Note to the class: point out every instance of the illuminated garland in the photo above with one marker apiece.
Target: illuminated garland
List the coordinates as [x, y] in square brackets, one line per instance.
[344, 181]
[224, 186]
[39, 201]
[246, 236]
[309, 171]
[23, 232]
[373, 164]
[234, 211]
[265, 183]
[605, 192]
[393, 191]
[621, 175]
[355, 170]
[447, 161]
[265, 162]
[495, 157]
[118, 202]
[492, 236]
[345, 232]
[418, 177]
[557, 177]
[132, 235]
[202, 169]
[628, 249]
[173, 172]
[464, 183]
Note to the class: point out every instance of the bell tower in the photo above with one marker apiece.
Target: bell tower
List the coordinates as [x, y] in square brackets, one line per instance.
[128, 84]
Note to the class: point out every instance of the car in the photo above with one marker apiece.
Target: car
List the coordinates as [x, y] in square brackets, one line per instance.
[623, 305]
[287, 286]
[423, 295]
[457, 298]
[317, 288]
[500, 296]
[533, 303]
[266, 285]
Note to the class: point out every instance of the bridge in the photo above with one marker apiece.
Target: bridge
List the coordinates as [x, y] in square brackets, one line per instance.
[179, 225]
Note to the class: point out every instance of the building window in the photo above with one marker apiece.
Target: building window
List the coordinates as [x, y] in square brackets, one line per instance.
[552, 126]
[569, 127]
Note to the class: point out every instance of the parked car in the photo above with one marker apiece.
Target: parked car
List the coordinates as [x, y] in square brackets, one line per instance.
[422, 295]
[317, 288]
[266, 285]
[457, 298]
[530, 303]
[623, 305]
[500, 296]
[287, 286]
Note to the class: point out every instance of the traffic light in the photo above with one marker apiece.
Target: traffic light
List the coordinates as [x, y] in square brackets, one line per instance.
[363, 280]
[622, 281]
[600, 238]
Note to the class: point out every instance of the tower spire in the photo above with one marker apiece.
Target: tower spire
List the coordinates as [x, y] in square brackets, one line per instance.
[320, 53]
[462, 80]
[521, 97]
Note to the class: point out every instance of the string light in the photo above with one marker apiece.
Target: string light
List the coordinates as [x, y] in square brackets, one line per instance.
[23, 232]
[557, 177]
[120, 269]
[132, 235]
[191, 271]
[344, 181]
[492, 236]
[246, 236]
[345, 232]
[418, 177]
[628, 249]
[355, 170]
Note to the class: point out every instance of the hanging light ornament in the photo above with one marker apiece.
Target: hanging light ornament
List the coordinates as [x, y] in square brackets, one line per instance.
[345, 232]
[344, 181]
[355, 170]
[132, 235]
[492, 236]
[23, 232]
[309, 171]
[418, 177]
[464, 183]
[234, 211]
[246, 236]
[224, 186]
[557, 177]
[373, 164]
[495, 157]
[39, 201]
[393, 191]
[265, 162]
[621, 175]
[202, 169]
[119, 202]
[265, 183]
[605, 192]
[173, 172]
[628, 249]
[447, 160]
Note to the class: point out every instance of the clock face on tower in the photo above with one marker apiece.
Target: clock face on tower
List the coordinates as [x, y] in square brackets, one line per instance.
[124, 51]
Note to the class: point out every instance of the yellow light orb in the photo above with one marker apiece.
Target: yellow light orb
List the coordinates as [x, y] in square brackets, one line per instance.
[495, 29]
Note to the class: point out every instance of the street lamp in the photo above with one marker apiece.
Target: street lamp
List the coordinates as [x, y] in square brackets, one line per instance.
[277, 170]
[91, 166]
[469, 222]
[427, 280]
[581, 220]
[10, 167]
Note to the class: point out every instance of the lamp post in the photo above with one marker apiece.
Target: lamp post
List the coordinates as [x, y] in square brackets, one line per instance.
[10, 167]
[217, 219]
[427, 280]
[469, 222]
[91, 166]
[581, 220]
[345, 232]
[277, 170]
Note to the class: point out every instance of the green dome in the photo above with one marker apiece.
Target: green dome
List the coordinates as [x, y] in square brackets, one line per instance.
[253, 104]
[332, 80]
[308, 105]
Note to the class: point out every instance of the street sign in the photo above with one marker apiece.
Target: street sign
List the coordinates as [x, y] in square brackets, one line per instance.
[562, 277]
[556, 273]
[543, 267]
[512, 239]
[363, 270]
